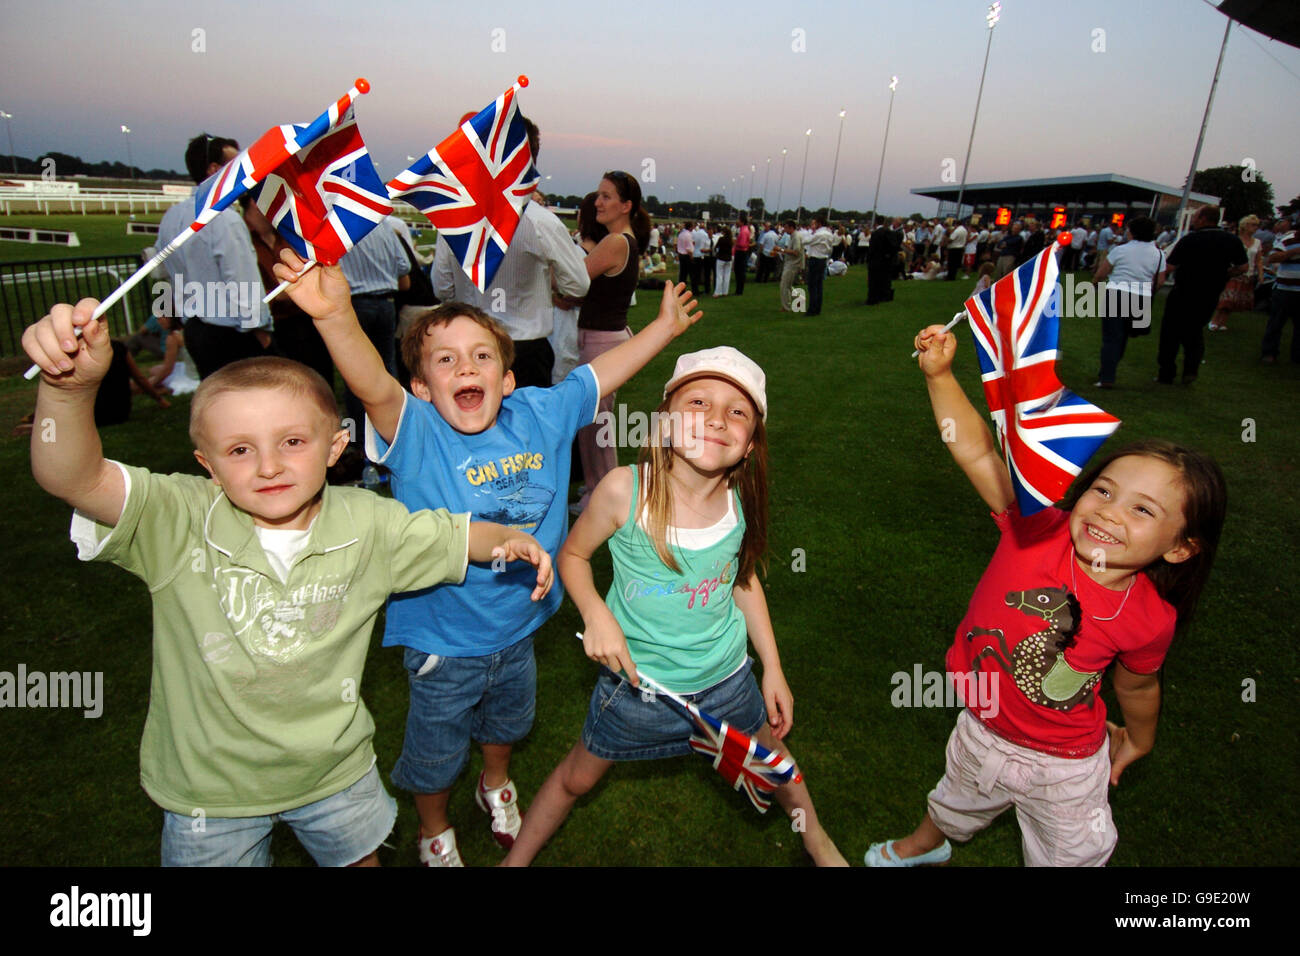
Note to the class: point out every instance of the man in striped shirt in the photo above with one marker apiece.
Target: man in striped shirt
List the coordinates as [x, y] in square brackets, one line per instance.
[1285, 301]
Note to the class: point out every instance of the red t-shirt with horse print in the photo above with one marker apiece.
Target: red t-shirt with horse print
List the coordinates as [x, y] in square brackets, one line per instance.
[1028, 656]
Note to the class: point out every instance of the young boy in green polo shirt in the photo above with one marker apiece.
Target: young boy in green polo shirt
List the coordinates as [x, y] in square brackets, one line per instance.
[265, 585]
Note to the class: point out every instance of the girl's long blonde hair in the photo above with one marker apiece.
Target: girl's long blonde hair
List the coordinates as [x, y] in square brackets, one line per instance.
[748, 476]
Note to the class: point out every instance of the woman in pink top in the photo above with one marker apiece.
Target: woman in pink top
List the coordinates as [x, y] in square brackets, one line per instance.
[744, 242]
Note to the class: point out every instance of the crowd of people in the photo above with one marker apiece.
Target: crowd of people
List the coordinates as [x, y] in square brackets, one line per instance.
[474, 401]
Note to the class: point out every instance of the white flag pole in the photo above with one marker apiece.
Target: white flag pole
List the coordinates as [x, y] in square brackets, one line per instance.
[947, 328]
[1061, 241]
[307, 267]
[358, 88]
[127, 286]
[657, 687]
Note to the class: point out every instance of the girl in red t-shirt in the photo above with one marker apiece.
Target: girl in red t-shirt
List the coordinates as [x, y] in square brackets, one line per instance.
[1105, 579]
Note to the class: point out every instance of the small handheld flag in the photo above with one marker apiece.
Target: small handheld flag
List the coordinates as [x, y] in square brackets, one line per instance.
[324, 200]
[236, 178]
[1047, 433]
[474, 185]
[741, 760]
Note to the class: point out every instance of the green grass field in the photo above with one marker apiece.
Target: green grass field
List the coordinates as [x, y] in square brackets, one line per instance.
[894, 540]
[100, 235]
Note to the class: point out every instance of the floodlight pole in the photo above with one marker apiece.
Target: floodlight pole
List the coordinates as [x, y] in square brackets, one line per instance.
[130, 163]
[995, 12]
[767, 179]
[893, 85]
[780, 189]
[1196, 156]
[807, 140]
[13, 157]
[835, 169]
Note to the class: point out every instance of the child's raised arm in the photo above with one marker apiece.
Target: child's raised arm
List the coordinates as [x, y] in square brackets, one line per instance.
[676, 315]
[602, 639]
[324, 295]
[67, 457]
[964, 432]
[752, 602]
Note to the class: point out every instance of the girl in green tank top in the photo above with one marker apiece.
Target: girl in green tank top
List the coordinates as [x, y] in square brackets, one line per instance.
[687, 529]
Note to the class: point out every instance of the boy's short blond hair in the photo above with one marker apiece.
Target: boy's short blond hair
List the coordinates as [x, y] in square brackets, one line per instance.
[445, 314]
[263, 372]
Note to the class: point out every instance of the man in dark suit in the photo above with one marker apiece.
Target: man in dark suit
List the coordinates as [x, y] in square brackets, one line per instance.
[1202, 262]
[882, 254]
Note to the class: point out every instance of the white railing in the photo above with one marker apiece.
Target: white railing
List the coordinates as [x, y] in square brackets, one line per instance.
[99, 200]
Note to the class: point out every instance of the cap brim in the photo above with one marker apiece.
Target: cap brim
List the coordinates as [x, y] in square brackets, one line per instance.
[676, 383]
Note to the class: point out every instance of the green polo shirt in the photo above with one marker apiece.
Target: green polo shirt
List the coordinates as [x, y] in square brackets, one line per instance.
[254, 704]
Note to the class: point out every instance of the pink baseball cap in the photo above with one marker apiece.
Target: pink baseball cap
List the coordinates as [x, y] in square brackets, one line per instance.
[723, 362]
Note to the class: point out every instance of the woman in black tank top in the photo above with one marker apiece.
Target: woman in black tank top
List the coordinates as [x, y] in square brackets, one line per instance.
[613, 266]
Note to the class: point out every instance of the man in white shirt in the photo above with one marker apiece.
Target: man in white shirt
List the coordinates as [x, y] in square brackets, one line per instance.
[685, 246]
[228, 321]
[956, 248]
[520, 294]
[817, 248]
[700, 240]
[1078, 245]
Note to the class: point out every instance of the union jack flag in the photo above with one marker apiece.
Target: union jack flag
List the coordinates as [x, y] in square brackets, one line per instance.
[1050, 432]
[743, 762]
[327, 197]
[473, 186]
[256, 162]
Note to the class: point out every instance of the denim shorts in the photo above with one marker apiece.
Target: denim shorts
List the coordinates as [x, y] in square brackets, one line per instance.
[455, 699]
[337, 830]
[622, 724]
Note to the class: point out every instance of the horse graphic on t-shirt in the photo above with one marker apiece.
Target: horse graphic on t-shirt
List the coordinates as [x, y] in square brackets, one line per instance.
[1037, 664]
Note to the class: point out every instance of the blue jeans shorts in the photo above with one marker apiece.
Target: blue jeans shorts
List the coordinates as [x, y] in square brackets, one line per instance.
[623, 725]
[455, 699]
[337, 830]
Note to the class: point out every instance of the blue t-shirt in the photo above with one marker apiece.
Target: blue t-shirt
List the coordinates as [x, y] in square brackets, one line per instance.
[515, 473]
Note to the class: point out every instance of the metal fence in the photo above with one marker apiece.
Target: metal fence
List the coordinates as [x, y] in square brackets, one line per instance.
[29, 289]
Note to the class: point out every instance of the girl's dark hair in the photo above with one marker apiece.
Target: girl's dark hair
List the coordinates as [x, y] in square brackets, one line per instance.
[1205, 502]
[1142, 228]
[588, 227]
[629, 190]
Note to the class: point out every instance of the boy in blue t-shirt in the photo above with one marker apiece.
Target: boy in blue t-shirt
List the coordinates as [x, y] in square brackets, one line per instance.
[465, 438]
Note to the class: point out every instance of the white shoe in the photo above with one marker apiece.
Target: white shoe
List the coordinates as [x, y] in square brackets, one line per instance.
[502, 803]
[439, 850]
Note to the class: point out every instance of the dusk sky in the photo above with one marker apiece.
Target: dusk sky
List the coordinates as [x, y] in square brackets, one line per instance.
[704, 90]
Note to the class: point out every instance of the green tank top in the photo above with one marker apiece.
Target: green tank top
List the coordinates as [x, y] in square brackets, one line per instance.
[683, 629]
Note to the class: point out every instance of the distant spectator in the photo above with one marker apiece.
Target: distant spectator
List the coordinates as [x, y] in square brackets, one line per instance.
[1239, 294]
[1204, 260]
[1285, 301]
[232, 322]
[1133, 272]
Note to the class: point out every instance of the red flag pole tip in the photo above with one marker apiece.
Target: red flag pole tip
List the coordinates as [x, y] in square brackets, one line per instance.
[523, 80]
[1064, 239]
[362, 85]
